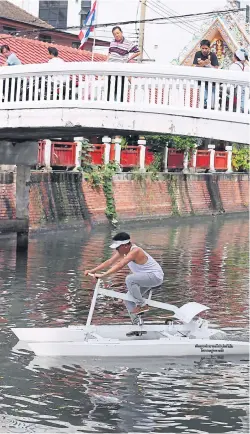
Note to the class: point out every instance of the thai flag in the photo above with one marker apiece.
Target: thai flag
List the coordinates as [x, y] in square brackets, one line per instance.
[88, 26]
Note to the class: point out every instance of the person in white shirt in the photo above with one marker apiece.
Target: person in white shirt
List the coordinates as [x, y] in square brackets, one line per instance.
[240, 61]
[146, 273]
[240, 64]
[53, 55]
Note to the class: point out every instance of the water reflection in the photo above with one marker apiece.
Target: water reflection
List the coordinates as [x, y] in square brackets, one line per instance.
[204, 261]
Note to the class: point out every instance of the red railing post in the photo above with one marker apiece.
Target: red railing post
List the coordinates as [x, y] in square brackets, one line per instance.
[175, 159]
[130, 156]
[203, 159]
[63, 154]
[97, 154]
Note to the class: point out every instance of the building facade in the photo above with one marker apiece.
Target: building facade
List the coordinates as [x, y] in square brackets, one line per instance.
[63, 14]
[48, 21]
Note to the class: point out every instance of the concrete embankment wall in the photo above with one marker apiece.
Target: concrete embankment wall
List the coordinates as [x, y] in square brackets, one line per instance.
[65, 199]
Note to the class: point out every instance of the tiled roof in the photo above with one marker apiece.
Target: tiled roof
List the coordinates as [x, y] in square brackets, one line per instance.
[12, 12]
[34, 51]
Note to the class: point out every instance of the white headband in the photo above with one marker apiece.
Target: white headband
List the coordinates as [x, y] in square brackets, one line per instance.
[116, 244]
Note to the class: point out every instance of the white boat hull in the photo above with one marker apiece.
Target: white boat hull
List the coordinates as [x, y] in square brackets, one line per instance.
[191, 338]
[117, 331]
[178, 340]
[139, 347]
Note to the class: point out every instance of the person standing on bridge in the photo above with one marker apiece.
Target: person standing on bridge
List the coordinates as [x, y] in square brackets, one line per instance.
[240, 64]
[146, 272]
[11, 58]
[206, 59]
[121, 50]
[54, 56]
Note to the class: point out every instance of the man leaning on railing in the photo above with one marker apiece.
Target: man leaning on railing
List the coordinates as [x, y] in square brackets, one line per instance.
[121, 50]
[11, 60]
[206, 59]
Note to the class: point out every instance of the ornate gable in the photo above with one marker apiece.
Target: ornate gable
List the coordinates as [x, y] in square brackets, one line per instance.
[226, 34]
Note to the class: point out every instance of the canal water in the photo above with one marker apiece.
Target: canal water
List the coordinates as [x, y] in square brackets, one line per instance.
[204, 260]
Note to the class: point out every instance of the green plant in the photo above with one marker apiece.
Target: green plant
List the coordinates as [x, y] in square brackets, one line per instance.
[124, 143]
[86, 161]
[103, 176]
[172, 189]
[182, 143]
[155, 167]
[240, 158]
[138, 175]
[94, 176]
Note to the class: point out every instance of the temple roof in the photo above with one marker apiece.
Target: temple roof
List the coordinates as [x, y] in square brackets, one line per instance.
[231, 28]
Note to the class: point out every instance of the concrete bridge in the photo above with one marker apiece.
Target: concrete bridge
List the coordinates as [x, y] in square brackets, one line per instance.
[77, 99]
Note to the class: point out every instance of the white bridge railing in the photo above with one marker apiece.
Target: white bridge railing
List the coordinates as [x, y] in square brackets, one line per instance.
[127, 86]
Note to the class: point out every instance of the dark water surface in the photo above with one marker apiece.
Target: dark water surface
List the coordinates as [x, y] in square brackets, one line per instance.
[205, 261]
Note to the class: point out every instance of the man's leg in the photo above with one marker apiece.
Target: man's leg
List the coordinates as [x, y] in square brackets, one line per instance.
[130, 305]
[205, 95]
[116, 87]
[109, 85]
[138, 284]
[213, 98]
[122, 88]
[242, 102]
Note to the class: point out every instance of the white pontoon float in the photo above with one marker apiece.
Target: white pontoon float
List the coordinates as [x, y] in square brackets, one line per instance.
[189, 337]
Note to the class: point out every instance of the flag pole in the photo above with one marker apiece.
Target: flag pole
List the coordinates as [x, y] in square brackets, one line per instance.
[93, 46]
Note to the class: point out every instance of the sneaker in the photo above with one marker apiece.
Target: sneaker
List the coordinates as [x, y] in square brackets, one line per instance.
[140, 309]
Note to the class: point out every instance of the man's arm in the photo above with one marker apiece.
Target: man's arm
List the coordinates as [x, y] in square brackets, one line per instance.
[214, 61]
[105, 264]
[121, 264]
[195, 61]
[133, 52]
[134, 55]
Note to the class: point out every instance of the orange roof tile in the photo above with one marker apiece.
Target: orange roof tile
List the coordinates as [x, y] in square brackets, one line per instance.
[34, 51]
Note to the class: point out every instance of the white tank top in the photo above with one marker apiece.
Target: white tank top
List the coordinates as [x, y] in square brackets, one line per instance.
[151, 266]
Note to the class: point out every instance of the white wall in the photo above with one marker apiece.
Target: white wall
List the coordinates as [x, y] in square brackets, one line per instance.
[31, 6]
[74, 7]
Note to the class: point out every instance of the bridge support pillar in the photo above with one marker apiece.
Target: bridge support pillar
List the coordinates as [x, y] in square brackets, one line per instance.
[211, 148]
[117, 141]
[142, 145]
[106, 141]
[78, 160]
[229, 158]
[166, 159]
[47, 154]
[22, 204]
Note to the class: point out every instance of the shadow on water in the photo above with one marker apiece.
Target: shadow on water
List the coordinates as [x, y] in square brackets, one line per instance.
[205, 261]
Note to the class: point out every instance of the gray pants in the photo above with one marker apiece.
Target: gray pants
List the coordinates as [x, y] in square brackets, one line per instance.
[138, 284]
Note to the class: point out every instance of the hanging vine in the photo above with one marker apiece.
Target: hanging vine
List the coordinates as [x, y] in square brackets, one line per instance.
[172, 190]
[103, 177]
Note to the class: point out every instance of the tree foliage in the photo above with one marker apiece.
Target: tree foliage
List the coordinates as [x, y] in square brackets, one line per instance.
[240, 158]
[182, 143]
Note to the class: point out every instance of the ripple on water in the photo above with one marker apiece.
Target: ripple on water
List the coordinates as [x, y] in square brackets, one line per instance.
[205, 261]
